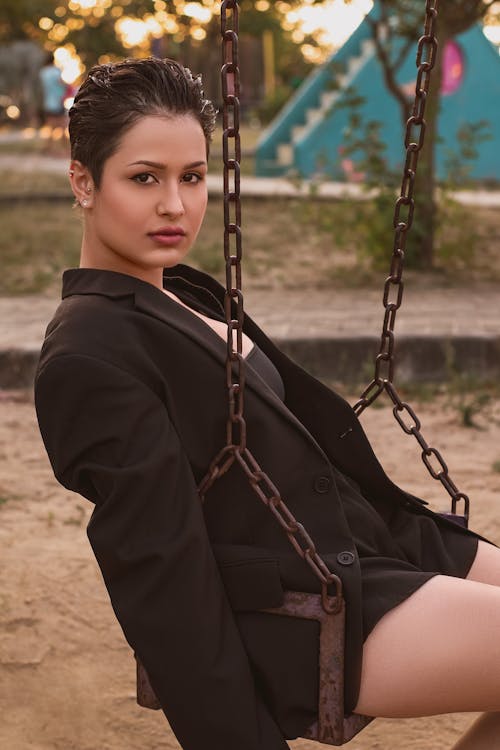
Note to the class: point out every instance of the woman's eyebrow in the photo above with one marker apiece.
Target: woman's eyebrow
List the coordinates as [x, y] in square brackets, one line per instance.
[158, 165]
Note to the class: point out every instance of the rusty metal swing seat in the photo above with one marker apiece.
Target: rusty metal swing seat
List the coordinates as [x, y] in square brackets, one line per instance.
[332, 727]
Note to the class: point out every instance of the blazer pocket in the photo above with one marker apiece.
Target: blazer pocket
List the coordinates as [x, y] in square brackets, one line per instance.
[282, 651]
[252, 584]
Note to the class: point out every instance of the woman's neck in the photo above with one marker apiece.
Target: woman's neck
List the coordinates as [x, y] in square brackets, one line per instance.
[108, 261]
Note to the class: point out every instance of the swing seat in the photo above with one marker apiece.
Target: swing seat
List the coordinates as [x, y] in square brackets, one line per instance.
[332, 727]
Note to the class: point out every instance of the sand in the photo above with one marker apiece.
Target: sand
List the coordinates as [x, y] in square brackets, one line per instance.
[67, 674]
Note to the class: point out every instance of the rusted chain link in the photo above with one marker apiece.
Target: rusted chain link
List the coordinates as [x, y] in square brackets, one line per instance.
[394, 286]
[231, 145]
[236, 432]
[429, 454]
[297, 534]
[404, 210]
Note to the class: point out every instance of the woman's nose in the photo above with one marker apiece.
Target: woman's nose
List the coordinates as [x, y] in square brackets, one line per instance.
[170, 203]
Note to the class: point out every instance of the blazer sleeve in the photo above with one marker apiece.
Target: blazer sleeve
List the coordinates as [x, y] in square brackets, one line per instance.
[109, 438]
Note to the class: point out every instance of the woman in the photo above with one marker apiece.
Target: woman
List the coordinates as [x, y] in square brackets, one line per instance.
[131, 402]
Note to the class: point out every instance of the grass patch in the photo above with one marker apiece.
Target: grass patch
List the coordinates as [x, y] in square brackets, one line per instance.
[33, 183]
[37, 242]
[5, 498]
[472, 404]
[207, 256]
[26, 146]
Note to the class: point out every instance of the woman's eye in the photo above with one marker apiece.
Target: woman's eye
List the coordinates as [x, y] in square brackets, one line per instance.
[192, 177]
[144, 178]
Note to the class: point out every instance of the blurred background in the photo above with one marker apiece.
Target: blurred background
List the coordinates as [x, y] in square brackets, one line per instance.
[280, 41]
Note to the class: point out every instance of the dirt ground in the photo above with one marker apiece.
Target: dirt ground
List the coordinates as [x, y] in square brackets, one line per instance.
[67, 675]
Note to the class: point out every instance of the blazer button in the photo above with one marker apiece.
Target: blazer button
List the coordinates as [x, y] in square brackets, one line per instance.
[345, 558]
[322, 484]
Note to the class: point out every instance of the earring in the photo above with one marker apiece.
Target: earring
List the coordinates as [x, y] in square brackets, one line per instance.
[85, 202]
[71, 172]
[89, 190]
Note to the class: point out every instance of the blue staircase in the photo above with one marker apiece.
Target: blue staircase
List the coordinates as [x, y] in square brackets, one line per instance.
[306, 137]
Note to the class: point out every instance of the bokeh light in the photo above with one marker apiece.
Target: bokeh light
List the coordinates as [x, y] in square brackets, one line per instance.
[198, 33]
[330, 23]
[199, 12]
[13, 112]
[493, 34]
[45, 23]
[132, 32]
[69, 61]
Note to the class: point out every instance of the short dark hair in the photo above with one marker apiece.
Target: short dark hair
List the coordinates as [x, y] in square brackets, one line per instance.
[114, 96]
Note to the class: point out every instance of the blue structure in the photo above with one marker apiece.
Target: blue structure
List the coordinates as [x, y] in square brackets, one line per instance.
[310, 130]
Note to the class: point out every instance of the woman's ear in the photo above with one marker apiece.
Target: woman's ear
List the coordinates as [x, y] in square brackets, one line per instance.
[82, 184]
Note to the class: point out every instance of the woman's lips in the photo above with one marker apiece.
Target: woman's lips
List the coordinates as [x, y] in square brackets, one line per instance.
[168, 236]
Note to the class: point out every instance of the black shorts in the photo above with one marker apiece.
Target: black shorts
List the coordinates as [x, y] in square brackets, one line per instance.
[399, 550]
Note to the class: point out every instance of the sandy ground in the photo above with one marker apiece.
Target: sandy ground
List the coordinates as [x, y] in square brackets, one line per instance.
[67, 675]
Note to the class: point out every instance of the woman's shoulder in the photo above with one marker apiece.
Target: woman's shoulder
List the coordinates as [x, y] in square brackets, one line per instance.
[95, 329]
[88, 324]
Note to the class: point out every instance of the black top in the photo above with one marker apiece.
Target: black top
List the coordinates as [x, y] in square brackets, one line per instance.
[256, 358]
[266, 370]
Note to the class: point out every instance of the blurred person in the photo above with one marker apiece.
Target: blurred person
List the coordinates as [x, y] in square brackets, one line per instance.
[54, 93]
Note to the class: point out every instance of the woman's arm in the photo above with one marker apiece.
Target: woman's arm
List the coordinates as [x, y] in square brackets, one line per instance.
[109, 437]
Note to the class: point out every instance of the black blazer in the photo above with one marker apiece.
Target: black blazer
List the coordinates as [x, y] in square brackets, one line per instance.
[131, 401]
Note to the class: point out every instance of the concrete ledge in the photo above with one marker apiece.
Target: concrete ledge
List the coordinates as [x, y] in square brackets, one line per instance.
[420, 359]
[17, 368]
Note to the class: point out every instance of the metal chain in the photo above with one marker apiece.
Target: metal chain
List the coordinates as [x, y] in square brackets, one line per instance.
[429, 454]
[404, 210]
[394, 286]
[236, 432]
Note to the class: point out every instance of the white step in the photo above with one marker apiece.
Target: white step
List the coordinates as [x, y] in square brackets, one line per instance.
[327, 100]
[285, 154]
[356, 63]
[313, 116]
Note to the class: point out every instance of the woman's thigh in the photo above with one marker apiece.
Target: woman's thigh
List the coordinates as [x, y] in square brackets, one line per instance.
[486, 566]
[437, 652]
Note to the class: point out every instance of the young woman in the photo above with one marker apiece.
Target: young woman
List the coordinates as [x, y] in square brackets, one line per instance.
[131, 402]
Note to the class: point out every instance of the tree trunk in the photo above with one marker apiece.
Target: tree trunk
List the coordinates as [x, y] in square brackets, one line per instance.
[422, 244]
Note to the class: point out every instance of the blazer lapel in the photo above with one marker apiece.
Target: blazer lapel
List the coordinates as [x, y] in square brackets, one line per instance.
[154, 302]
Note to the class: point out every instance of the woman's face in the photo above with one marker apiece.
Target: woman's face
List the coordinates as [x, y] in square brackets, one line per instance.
[149, 207]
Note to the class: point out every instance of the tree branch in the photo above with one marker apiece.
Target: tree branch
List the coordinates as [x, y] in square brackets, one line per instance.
[403, 53]
[388, 68]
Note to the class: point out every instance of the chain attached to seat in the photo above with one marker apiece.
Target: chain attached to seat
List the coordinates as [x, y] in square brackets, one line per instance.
[394, 286]
[332, 726]
[236, 448]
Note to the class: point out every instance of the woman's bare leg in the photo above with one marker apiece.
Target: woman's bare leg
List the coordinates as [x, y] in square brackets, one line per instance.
[486, 566]
[437, 652]
[484, 734]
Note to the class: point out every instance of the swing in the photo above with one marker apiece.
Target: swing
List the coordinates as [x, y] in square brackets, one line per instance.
[332, 726]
